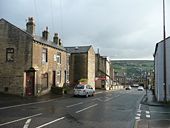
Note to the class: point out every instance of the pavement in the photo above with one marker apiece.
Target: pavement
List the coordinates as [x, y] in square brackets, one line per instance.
[159, 111]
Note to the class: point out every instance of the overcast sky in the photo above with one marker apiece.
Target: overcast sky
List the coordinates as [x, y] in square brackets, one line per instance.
[121, 29]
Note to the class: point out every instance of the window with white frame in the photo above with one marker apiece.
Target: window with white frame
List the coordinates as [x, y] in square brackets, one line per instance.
[10, 54]
[44, 55]
[58, 57]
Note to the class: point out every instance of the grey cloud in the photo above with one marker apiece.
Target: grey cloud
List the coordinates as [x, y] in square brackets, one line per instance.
[119, 28]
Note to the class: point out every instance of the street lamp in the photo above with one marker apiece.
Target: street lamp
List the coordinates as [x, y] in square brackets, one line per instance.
[124, 74]
[164, 52]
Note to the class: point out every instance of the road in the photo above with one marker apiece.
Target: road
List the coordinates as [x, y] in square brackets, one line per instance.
[107, 109]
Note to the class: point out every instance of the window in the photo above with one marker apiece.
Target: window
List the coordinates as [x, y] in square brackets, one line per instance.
[67, 76]
[10, 54]
[58, 58]
[44, 55]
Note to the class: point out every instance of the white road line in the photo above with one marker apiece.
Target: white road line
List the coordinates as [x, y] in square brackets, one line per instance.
[86, 108]
[98, 92]
[147, 112]
[148, 116]
[27, 123]
[50, 122]
[139, 111]
[69, 106]
[108, 99]
[138, 114]
[10, 122]
[137, 118]
[139, 106]
[19, 105]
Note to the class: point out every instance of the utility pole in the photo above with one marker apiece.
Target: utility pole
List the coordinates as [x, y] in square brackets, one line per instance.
[164, 53]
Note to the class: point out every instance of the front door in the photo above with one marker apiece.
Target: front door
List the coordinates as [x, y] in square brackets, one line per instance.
[30, 81]
[54, 78]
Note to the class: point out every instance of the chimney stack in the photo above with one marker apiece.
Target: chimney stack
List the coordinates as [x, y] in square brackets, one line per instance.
[45, 34]
[30, 26]
[60, 42]
[56, 38]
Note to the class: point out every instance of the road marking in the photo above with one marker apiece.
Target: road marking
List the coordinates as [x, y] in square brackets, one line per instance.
[139, 106]
[10, 122]
[139, 111]
[86, 108]
[138, 114]
[19, 105]
[148, 116]
[98, 92]
[147, 112]
[69, 106]
[50, 122]
[27, 123]
[137, 118]
[108, 99]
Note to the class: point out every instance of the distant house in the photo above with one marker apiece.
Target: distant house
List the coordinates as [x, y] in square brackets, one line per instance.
[30, 64]
[159, 70]
[104, 72]
[82, 64]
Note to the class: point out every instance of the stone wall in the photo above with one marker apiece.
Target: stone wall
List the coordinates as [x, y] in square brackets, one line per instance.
[12, 73]
[48, 67]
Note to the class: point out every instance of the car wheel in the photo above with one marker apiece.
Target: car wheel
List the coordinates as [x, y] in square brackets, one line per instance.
[92, 94]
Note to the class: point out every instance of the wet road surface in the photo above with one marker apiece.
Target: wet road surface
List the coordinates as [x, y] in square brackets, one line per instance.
[107, 109]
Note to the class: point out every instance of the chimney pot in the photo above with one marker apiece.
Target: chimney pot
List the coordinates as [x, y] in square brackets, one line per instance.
[45, 34]
[55, 38]
[30, 26]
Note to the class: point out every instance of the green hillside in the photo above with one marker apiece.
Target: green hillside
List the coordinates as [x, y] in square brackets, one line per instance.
[133, 68]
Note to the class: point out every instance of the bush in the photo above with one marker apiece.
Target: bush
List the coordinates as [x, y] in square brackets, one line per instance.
[83, 81]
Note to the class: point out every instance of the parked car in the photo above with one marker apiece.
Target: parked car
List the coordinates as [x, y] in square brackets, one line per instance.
[140, 88]
[83, 90]
[135, 85]
[128, 88]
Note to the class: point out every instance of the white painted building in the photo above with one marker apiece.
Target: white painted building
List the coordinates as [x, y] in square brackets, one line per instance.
[159, 70]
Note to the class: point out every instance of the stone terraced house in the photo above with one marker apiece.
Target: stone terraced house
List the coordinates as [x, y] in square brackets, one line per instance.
[82, 64]
[30, 64]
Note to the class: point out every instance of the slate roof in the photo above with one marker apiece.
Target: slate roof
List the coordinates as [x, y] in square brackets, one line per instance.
[48, 43]
[78, 49]
[39, 39]
[156, 47]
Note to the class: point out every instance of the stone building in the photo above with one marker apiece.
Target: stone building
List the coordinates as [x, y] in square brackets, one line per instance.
[104, 72]
[82, 64]
[30, 64]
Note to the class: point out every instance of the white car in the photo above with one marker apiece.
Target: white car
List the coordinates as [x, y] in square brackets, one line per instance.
[140, 88]
[128, 88]
[83, 90]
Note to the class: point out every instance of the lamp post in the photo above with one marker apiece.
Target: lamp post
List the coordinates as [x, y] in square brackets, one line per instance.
[164, 52]
[124, 74]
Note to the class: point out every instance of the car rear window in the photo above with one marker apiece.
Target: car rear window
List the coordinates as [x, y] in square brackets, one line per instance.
[79, 87]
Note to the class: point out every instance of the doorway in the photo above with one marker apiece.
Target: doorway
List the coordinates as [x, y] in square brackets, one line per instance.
[30, 82]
